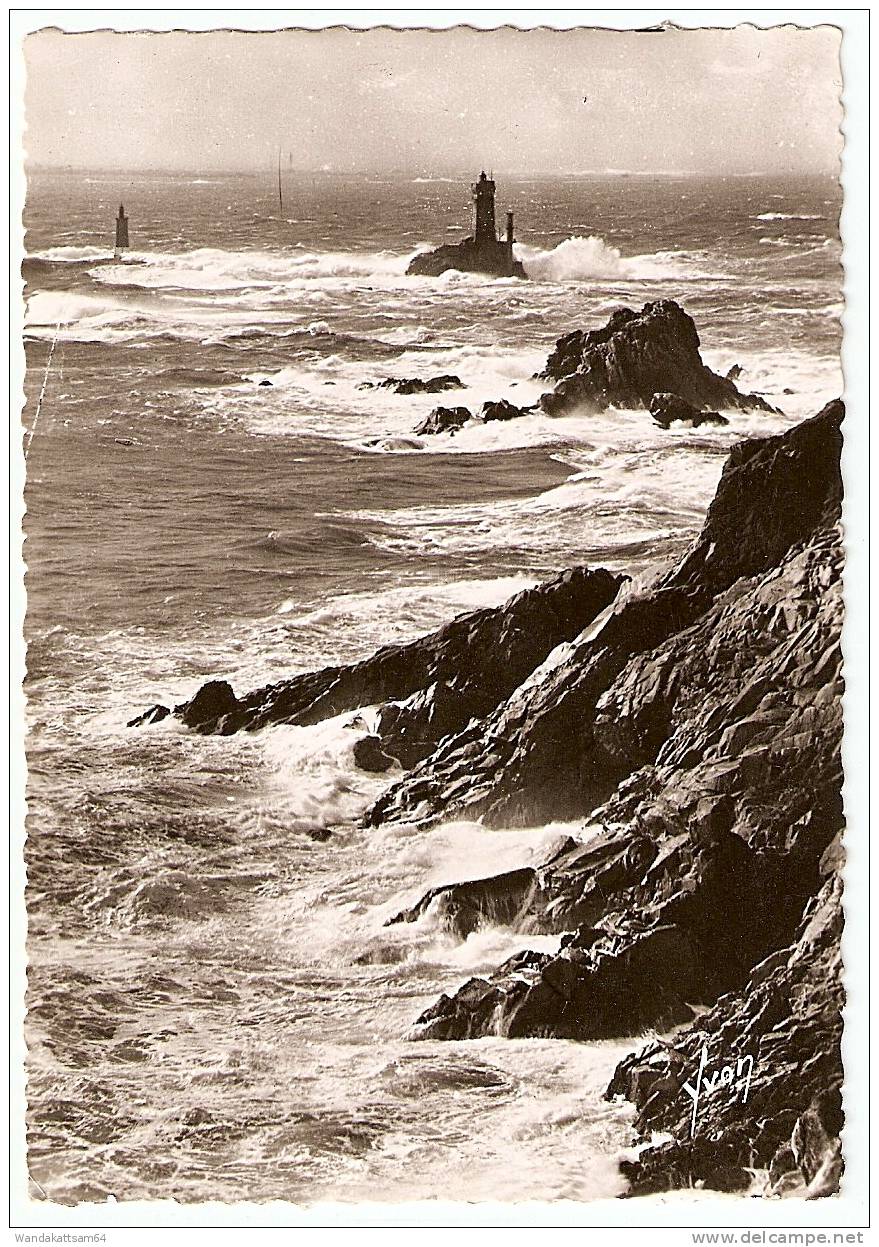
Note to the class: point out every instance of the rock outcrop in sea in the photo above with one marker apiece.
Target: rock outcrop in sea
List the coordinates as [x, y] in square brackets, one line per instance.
[451, 419]
[444, 420]
[467, 256]
[667, 409]
[637, 359]
[635, 356]
[416, 385]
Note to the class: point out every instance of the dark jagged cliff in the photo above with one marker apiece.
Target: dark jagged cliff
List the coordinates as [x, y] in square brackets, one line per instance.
[711, 708]
[548, 752]
[634, 357]
[728, 736]
[430, 687]
[787, 1020]
[697, 725]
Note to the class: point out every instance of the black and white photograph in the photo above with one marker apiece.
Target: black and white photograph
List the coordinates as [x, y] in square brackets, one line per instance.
[434, 539]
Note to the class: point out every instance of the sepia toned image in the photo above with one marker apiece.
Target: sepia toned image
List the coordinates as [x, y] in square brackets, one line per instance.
[434, 591]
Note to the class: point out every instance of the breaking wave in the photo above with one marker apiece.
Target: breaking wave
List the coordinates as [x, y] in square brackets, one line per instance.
[789, 216]
[214, 269]
[70, 255]
[578, 258]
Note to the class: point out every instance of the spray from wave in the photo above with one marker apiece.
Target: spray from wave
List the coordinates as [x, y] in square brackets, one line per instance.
[578, 258]
[51, 307]
[572, 259]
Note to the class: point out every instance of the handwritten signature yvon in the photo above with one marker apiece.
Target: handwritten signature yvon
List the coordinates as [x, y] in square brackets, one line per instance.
[736, 1078]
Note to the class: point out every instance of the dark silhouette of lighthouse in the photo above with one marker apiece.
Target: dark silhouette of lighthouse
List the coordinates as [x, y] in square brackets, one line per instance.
[485, 234]
[121, 233]
[483, 195]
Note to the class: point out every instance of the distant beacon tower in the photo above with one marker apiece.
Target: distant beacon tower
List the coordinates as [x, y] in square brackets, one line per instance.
[121, 233]
[483, 195]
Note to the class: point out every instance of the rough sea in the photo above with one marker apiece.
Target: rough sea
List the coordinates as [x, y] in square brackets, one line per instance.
[216, 1011]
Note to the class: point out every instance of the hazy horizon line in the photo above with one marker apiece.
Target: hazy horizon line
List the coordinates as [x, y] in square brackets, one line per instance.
[415, 174]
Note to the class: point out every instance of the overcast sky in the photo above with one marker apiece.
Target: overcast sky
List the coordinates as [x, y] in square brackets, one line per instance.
[714, 101]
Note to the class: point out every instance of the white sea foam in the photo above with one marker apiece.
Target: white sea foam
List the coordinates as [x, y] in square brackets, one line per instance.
[405, 603]
[373, 418]
[70, 254]
[788, 216]
[48, 307]
[314, 780]
[210, 268]
[631, 484]
[578, 258]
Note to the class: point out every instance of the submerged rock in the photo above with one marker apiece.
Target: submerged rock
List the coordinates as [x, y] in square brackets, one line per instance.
[668, 408]
[369, 755]
[392, 444]
[464, 907]
[444, 420]
[631, 358]
[503, 410]
[418, 385]
[155, 714]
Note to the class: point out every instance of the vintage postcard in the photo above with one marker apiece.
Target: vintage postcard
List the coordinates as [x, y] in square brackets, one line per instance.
[439, 484]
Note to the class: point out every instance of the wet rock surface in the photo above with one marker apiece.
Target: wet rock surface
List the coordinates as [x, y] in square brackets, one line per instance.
[418, 385]
[782, 1112]
[667, 409]
[705, 891]
[467, 256]
[631, 358]
[450, 419]
[464, 907]
[210, 705]
[369, 755]
[462, 670]
[502, 409]
[444, 420]
[711, 845]
[155, 714]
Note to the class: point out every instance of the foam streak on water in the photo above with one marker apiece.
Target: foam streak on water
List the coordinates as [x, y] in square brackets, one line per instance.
[217, 1008]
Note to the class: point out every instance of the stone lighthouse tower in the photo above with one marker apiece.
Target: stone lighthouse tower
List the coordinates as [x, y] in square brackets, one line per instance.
[121, 233]
[483, 196]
